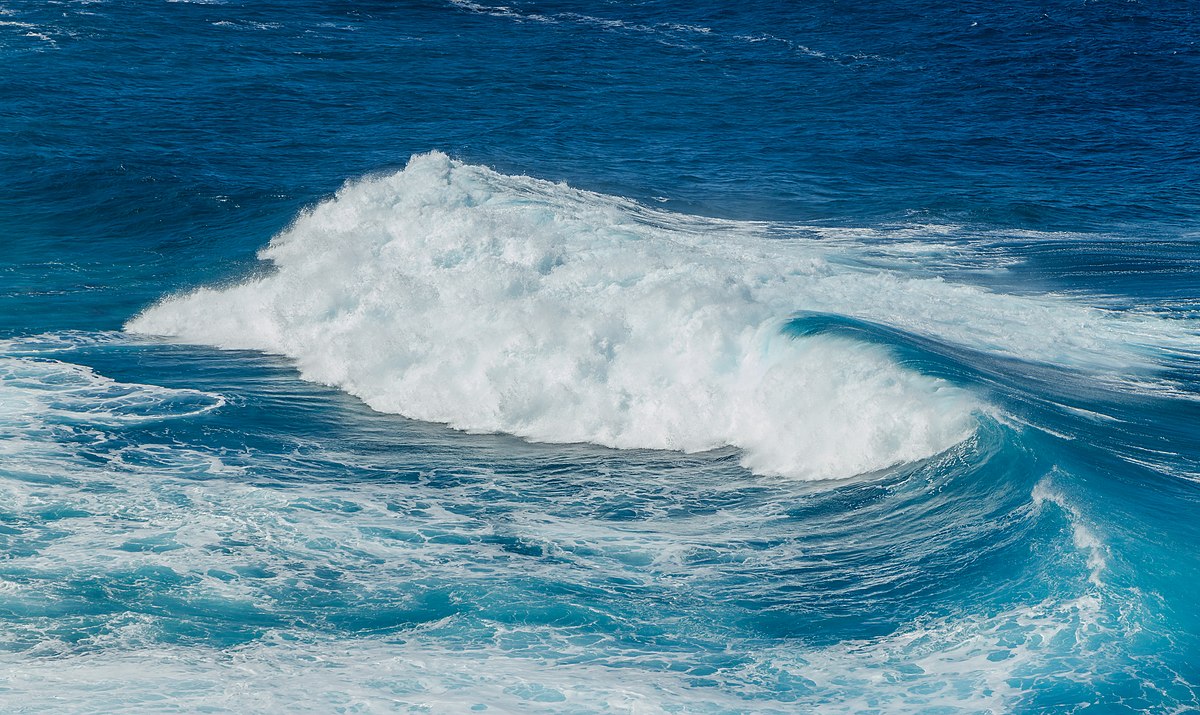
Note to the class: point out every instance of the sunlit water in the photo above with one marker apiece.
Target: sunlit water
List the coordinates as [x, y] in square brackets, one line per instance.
[551, 357]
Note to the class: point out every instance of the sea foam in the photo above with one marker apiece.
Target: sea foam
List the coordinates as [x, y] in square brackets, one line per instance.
[37, 390]
[451, 293]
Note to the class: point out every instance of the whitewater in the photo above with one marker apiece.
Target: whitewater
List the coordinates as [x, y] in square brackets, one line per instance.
[809, 428]
[450, 293]
[551, 357]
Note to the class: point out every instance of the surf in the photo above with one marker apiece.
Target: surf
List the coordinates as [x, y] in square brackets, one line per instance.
[451, 293]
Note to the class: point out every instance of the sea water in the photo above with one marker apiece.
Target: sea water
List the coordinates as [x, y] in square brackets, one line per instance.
[623, 357]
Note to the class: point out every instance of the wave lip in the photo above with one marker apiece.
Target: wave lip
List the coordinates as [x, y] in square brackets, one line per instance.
[451, 293]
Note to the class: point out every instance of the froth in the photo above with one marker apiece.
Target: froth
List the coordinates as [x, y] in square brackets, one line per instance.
[451, 293]
[40, 389]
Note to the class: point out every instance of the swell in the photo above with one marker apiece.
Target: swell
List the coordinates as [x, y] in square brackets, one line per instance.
[451, 293]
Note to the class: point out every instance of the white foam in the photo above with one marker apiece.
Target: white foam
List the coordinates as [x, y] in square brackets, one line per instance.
[34, 390]
[418, 674]
[31, 30]
[228, 545]
[454, 294]
[451, 293]
[1084, 538]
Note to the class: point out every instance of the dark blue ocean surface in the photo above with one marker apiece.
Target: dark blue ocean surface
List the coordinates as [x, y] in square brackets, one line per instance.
[599, 357]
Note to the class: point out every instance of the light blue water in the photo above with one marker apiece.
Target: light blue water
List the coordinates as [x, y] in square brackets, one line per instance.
[620, 357]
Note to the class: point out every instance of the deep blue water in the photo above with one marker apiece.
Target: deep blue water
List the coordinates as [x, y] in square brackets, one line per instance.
[599, 357]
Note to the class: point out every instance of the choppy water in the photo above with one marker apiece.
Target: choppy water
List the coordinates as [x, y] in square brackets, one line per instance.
[617, 357]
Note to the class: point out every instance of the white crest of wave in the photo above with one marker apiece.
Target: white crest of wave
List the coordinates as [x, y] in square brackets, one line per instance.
[448, 292]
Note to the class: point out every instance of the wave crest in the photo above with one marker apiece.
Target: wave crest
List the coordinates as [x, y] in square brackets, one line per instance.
[451, 293]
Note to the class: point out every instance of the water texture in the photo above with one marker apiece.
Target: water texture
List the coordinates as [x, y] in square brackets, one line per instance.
[599, 358]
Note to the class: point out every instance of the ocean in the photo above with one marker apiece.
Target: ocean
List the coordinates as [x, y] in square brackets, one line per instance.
[610, 357]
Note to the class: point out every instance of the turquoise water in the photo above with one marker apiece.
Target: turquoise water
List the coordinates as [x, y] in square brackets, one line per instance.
[631, 357]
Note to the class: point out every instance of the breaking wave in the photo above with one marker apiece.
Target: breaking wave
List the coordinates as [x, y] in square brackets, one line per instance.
[451, 293]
